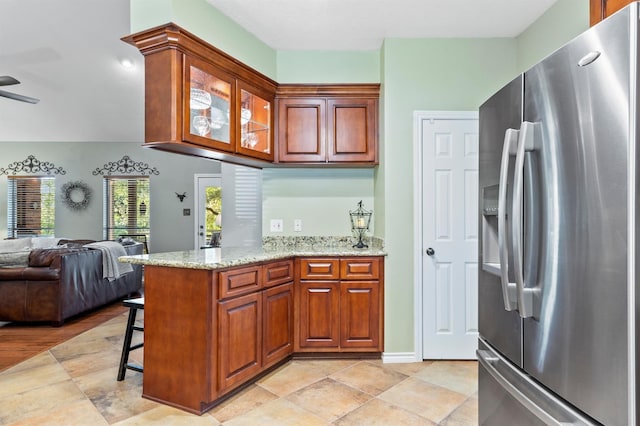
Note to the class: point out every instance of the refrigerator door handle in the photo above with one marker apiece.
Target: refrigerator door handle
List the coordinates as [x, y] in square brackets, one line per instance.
[533, 397]
[526, 143]
[509, 149]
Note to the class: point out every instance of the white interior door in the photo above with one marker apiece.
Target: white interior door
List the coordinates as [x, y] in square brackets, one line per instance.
[208, 212]
[450, 237]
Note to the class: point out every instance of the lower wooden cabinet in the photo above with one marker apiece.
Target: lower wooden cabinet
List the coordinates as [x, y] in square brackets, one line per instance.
[318, 304]
[277, 324]
[239, 340]
[360, 314]
[344, 311]
[255, 332]
[209, 332]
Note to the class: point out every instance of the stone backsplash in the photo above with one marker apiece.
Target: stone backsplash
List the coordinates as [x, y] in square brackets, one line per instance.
[302, 242]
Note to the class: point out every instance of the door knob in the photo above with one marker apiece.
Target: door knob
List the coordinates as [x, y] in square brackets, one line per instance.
[430, 251]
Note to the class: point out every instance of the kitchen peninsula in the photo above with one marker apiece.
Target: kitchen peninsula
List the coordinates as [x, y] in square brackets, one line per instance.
[218, 319]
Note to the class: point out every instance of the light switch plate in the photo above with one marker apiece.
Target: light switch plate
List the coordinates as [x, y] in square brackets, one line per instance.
[297, 225]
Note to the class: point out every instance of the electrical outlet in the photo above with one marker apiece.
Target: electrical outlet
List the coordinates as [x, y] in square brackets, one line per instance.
[297, 225]
[276, 225]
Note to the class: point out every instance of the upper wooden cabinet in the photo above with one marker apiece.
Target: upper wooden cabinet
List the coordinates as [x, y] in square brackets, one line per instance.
[201, 101]
[600, 9]
[327, 124]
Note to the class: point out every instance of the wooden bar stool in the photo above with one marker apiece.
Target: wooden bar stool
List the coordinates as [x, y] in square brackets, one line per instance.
[133, 305]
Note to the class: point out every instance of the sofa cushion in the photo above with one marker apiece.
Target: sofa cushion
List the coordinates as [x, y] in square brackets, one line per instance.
[46, 257]
[12, 274]
[44, 242]
[14, 259]
[41, 274]
[15, 244]
[126, 241]
[74, 243]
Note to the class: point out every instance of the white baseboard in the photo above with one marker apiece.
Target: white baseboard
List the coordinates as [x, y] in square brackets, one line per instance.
[399, 357]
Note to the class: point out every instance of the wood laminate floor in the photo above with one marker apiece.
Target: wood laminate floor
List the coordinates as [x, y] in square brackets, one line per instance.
[21, 341]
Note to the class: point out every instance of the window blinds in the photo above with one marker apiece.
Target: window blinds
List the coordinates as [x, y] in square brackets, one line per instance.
[126, 206]
[30, 206]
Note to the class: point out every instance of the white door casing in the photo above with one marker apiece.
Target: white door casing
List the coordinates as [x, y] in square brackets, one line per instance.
[447, 203]
[201, 182]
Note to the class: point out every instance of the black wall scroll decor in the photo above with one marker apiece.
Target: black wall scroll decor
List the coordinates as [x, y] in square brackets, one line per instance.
[126, 166]
[32, 165]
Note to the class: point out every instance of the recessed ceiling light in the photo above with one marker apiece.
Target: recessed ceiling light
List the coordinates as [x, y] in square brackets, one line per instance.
[126, 63]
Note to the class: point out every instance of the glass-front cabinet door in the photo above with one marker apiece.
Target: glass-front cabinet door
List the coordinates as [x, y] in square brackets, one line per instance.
[255, 122]
[209, 106]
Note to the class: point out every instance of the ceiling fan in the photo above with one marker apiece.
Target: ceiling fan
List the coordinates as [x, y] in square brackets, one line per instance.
[6, 80]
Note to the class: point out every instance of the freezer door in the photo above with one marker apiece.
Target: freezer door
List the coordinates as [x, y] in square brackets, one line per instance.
[502, 328]
[576, 233]
[510, 397]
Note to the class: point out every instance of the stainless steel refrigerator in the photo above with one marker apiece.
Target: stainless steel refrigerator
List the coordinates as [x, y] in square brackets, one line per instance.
[560, 225]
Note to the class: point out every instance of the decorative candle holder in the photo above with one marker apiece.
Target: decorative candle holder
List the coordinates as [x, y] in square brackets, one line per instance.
[360, 220]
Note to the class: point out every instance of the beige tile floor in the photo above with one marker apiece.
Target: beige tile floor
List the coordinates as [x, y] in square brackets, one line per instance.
[74, 384]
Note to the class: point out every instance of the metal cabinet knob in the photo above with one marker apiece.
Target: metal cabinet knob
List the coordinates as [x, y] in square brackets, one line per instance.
[430, 251]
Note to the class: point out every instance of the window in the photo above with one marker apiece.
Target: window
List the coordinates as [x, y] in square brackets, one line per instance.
[126, 206]
[31, 206]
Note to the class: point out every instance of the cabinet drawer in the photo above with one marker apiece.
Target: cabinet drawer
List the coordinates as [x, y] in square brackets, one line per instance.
[277, 273]
[239, 281]
[319, 269]
[360, 268]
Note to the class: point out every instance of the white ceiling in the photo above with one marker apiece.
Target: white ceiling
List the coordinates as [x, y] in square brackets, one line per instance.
[363, 24]
[67, 52]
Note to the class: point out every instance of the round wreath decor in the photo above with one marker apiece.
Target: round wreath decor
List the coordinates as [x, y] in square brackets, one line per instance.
[75, 187]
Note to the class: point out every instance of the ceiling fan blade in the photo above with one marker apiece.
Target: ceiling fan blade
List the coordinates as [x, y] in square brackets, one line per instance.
[17, 97]
[6, 80]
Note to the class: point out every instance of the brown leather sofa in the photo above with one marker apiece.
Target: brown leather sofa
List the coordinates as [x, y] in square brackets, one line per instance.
[61, 282]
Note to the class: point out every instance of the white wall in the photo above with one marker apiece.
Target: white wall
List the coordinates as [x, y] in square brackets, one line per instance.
[170, 230]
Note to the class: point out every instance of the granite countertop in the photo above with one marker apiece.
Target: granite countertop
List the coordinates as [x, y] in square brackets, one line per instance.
[218, 258]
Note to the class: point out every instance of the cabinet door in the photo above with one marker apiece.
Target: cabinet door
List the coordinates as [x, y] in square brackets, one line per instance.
[277, 328]
[301, 130]
[255, 122]
[360, 321]
[352, 130]
[209, 96]
[319, 314]
[600, 9]
[239, 340]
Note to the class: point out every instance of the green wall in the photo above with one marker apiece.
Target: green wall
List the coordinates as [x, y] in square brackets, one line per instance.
[321, 198]
[425, 75]
[415, 74]
[562, 22]
[328, 67]
[199, 18]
